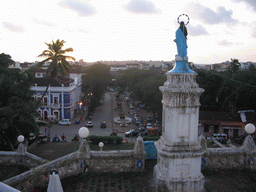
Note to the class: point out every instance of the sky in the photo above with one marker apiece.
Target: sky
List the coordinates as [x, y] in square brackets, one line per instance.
[120, 30]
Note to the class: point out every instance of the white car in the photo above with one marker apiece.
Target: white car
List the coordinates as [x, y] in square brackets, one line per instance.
[65, 122]
[149, 125]
[89, 124]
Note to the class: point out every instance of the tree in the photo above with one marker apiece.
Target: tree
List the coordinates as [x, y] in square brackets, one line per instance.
[58, 64]
[95, 81]
[17, 110]
[234, 65]
[55, 54]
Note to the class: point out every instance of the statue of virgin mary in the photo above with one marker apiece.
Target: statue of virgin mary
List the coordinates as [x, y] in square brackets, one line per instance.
[181, 40]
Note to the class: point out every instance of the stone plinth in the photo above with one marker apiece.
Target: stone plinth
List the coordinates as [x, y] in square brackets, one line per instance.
[179, 151]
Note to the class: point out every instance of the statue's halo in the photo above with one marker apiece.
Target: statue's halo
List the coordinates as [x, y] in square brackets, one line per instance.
[178, 19]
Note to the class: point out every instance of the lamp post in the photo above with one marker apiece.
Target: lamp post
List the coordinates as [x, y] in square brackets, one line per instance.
[101, 144]
[21, 147]
[249, 144]
[84, 149]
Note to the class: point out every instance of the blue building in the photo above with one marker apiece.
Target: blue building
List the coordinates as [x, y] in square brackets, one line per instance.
[61, 99]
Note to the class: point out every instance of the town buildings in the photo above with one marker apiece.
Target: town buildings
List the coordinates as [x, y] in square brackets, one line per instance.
[61, 99]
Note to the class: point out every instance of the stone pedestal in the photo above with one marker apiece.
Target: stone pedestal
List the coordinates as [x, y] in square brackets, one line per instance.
[179, 152]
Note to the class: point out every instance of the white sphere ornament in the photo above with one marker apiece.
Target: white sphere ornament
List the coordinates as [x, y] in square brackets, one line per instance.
[20, 138]
[83, 132]
[101, 144]
[250, 128]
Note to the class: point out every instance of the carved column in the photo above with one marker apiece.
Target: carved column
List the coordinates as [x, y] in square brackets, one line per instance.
[179, 152]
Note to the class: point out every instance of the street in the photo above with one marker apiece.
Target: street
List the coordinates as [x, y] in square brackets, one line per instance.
[105, 112]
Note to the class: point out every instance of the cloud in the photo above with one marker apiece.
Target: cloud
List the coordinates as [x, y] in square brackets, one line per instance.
[254, 32]
[208, 16]
[12, 27]
[224, 43]
[251, 4]
[141, 6]
[81, 8]
[196, 30]
[44, 23]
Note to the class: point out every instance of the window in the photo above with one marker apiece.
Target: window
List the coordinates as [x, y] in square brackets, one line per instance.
[45, 100]
[206, 128]
[56, 100]
[216, 128]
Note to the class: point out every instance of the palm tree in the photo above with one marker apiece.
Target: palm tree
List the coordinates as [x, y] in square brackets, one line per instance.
[55, 54]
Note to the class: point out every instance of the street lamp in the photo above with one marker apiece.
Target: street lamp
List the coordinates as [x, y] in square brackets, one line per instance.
[250, 128]
[21, 147]
[83, 132]
[84, 149]
[101, 144]
[20, 138]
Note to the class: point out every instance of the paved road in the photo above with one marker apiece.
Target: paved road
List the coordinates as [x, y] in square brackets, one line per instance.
[105, 112]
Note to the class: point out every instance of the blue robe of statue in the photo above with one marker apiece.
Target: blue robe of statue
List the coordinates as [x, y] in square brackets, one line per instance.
[181, 42]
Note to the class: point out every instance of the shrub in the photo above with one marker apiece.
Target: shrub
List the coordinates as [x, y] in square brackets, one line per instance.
[151, 138]
[207, 171]
[105, 139]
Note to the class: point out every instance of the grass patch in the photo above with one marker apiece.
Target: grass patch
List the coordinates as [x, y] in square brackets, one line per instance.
[8, 171]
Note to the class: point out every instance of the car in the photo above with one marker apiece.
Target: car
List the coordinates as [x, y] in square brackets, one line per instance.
[89, 124]
[131, 133]
[141, 127]
[131, 106]
[137, 122]
[221, 137]
[149, 125]
[65, 122]
[123, 125]
[149, 118]
[136, 115]
[103, 124]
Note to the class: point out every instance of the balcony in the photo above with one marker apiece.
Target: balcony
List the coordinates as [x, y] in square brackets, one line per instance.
[52, 105]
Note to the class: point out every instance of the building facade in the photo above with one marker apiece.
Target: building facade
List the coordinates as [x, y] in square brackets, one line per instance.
[61, 100]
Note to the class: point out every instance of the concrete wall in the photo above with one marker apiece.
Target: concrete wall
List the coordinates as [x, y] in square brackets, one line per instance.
[80, 162]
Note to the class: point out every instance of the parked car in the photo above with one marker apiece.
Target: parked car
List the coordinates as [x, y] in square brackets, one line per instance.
[136, 115]
[137, 122]
[152, 131]
[123, 125]
[149, 125]
[141, 127]
[149, 118]
[221, 137]
[65, 122]
[89, 124]
[131, 133]
[131, 106]
[103, 124]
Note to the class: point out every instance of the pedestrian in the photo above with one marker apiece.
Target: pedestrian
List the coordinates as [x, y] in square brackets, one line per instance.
[81, 118]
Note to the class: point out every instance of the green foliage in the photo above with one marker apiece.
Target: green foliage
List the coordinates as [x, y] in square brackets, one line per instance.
[207, 171]
[145, 87]
[58, 60]
[94, 139]
[95, 81]
[151, 138]
[9, 171]
[227, 91]
[17, 110]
